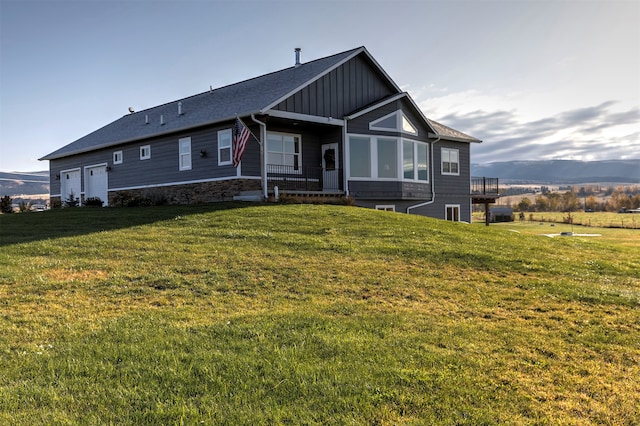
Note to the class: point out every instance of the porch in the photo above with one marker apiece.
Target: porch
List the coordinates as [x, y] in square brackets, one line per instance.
[304, 179]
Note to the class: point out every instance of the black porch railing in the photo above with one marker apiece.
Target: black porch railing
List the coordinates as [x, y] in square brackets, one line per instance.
[484, 186]
[308, 179]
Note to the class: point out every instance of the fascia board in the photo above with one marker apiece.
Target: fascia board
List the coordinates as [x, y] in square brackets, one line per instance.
[52, 156]
[304, 117]
[376, 106]
[453, 138]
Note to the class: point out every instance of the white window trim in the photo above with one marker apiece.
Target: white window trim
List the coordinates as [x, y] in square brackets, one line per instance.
[373, 150]
[115, 155]
[181, 155]
[399, 116]
[142, 149]
[442, 162]
[415, 160]
[295, 135]
[386, 207]
[452, 206]
[230, 148]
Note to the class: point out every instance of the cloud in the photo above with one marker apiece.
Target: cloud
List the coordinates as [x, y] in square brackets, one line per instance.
[598, 132]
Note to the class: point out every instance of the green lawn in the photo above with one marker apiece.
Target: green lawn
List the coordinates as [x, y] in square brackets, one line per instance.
[307, 314]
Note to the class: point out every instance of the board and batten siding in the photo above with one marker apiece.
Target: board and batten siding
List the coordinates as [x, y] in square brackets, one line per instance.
[340, 92]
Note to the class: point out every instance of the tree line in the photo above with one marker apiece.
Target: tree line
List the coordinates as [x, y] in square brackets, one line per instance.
[612, 199]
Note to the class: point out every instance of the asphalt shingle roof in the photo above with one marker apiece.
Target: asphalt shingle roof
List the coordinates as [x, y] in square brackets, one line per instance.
[222, 104]
[218, 105]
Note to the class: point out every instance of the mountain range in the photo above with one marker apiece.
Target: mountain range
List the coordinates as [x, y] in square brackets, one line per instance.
[561, 171]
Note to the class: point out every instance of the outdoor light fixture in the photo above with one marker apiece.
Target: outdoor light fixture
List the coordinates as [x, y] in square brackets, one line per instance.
[203, 153]
[58, 176]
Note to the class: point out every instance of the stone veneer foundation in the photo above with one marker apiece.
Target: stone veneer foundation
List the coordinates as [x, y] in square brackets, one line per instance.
[193, 193]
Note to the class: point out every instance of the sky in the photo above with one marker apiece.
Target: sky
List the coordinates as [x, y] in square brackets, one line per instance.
[534, 80]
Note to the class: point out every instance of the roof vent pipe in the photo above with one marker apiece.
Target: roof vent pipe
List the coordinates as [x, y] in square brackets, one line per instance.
[180, 108]
[161, 119]
[297, 50]
[146, 119]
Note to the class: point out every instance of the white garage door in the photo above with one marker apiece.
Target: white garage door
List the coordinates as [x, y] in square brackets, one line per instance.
[70, 185]
[95, 183]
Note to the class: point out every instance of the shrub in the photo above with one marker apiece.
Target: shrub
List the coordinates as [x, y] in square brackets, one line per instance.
[24, 207]
[71, 200]
[5, 204]
[93, 202]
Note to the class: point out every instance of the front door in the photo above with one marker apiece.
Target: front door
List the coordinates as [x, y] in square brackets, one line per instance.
[330, 167]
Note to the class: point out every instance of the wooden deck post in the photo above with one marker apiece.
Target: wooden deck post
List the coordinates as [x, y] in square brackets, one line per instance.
[487, 214]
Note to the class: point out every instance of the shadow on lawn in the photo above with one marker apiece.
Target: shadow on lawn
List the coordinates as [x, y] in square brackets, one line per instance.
[28, 227]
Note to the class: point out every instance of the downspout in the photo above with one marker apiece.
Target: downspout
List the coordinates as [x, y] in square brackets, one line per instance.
[433, 185]
[263, 165]
[345, 155]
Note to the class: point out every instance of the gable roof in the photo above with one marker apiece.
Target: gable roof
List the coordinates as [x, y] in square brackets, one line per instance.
[255, 95]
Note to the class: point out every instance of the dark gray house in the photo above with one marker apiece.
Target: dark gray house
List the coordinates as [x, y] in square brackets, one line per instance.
[337, 126]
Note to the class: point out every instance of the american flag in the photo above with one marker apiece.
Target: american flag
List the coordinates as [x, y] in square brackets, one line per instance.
[240, 137]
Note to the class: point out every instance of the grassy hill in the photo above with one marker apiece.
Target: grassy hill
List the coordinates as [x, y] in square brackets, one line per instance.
[302, 314]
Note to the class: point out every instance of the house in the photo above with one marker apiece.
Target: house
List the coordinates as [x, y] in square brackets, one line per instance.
[337, 126]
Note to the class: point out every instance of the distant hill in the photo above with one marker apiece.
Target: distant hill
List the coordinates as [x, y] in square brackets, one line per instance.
[24, 183]
[561, 171]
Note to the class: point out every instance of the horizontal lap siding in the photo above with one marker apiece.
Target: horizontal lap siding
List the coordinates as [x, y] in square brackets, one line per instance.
[348, 88]
[162, 168]
[448, 184]
[389, 190]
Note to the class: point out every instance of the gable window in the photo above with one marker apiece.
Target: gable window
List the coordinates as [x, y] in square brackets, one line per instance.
[394, 122]
[224, 147]
[184, 155]
[117, 157]
[284, 150]
[415, 164]
[145, 152]
[450, 161]
[452, 212]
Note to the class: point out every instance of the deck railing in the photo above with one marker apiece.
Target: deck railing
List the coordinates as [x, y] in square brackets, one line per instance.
[484, 186]
[292, 178]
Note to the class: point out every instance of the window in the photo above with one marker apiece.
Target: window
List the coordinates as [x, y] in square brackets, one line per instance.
[387, 158]
[394, 122]
[450, 162]
[284, 150]
[145, 152]
[117, 157]
[414, 161]
[407, 126]
[452, 212]
[386, 207]
[224, 147]
[359, 156]
[184, 155]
